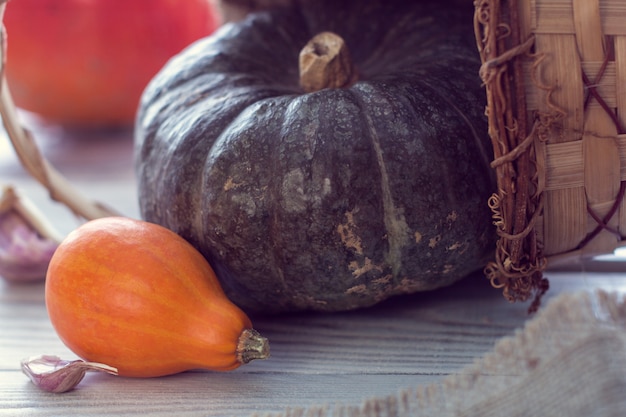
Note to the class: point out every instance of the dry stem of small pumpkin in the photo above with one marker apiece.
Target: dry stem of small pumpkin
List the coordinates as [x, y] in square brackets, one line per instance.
[31, 158]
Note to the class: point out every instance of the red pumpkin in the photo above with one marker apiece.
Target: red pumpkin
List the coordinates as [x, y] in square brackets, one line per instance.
[86, 62]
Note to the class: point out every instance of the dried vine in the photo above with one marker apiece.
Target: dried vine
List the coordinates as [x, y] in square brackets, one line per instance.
[519, 263]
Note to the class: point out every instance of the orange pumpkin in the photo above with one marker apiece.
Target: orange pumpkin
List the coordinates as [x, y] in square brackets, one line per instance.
[86, 63]
[137, 297]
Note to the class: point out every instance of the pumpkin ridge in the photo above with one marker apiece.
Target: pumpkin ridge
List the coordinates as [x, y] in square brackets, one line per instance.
[301, 137]
[246, 133]
[310, 119]
[395, 223]
[274, 225]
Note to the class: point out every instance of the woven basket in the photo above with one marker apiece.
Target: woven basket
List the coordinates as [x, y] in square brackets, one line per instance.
[555, 78]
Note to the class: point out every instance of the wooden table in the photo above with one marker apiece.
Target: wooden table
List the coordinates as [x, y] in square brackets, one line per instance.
[316, 358]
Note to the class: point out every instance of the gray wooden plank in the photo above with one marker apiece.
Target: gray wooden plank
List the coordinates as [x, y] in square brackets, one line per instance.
[195, 394]
[316, 358]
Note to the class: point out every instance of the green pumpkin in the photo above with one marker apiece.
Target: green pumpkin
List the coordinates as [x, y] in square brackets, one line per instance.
[332, 199]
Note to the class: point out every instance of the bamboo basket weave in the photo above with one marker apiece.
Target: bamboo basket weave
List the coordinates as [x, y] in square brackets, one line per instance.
[555, 77]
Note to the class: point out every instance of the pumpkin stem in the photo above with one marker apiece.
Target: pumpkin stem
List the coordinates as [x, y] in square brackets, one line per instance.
[252, 346]
[325, 62]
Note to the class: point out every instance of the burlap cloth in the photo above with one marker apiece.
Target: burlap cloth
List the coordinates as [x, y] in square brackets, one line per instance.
[568, 361]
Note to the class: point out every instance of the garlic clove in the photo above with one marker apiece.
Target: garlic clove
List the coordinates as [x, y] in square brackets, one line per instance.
[24, 255]
[27, 242]
[53, 374]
